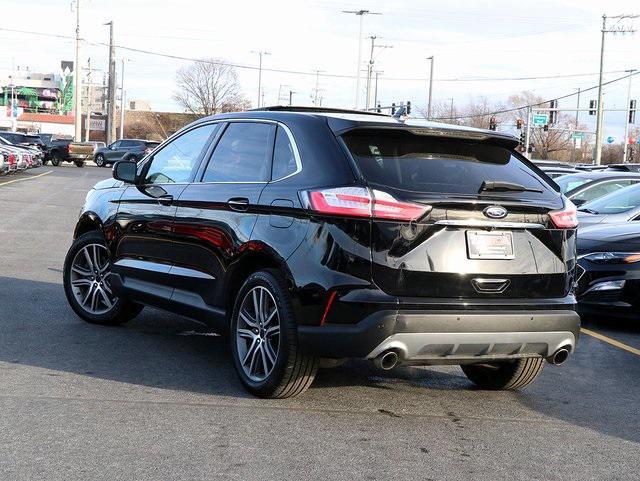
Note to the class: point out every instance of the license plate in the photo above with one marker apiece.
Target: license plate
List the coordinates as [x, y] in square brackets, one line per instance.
[489, 245]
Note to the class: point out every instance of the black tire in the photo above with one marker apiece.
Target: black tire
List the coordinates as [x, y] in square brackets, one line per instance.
[99, 160]
[79, 163]
[506, 375]
[293, 371]
[56, 160]
[45, 162]
[122, 310]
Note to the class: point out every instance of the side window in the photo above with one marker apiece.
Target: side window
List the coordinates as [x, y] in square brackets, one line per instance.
[117, 144]
[127, 144]
[243, 154]
[179, 158]
[601, 190]
[284, 159]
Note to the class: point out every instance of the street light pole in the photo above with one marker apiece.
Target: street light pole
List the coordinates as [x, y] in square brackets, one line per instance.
[576, 121]
[122, 101]
[87, 128]
[626, 120]
[430, 88]
[77, 82]
[361, 14]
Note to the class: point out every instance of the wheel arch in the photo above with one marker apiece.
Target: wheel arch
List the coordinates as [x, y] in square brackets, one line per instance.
[88, 222]
[256, 257]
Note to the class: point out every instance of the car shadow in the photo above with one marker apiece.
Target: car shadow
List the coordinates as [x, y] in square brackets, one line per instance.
[596, 388]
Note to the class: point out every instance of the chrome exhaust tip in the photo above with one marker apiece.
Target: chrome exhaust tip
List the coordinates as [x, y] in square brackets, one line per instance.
[560, 356]
[387, 360]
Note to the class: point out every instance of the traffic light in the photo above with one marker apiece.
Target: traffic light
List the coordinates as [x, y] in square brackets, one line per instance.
[519, 124]
[379, 108]
[546, 127]
[393, 108]
[493, 123]
[408, 107]
[553, 114]
[632, 112]
[523, 138]
[593, 105]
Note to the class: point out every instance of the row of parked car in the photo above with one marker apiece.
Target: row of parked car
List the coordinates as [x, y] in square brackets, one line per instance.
[608, 202]
[20, 151]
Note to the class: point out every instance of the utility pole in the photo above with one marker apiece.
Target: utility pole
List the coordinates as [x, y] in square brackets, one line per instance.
[451, 109]
[260, 54]
[599, 120]
[626, 120]
[430, 88]
[87, 128]
[77, 82]
[111, 91]
[361, 14]
[316, 90]
[375, 95]
[527, 136]
[122, 101]
[291, 92]
[576, 122]
[370, 68]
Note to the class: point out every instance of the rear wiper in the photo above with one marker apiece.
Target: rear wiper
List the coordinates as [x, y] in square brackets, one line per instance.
[498, 186]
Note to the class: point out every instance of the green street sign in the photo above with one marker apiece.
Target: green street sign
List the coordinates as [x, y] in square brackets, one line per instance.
[540, 119]
[578, 135]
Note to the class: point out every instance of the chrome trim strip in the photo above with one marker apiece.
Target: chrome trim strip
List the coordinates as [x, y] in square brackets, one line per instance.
[484, 223]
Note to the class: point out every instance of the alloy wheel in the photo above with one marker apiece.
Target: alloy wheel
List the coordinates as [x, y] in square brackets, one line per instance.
[258, 333]
[89, 278]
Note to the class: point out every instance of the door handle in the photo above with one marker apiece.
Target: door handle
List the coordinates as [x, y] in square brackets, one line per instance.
[166, 199]
[238, 203]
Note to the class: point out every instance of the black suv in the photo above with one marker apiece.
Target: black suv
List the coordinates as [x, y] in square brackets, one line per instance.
[318, 235]
[123, 149]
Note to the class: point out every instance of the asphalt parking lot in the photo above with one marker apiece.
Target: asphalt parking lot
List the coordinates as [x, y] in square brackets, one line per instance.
[158, 398]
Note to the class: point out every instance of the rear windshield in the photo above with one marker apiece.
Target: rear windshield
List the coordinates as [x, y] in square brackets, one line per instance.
[622, 200]
[570, 182]
[405, 161]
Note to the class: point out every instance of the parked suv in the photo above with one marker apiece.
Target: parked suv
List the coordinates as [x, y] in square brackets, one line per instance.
[123, 149]
[313, 236]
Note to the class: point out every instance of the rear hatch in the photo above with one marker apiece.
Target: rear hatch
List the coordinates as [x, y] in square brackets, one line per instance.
[489, 224]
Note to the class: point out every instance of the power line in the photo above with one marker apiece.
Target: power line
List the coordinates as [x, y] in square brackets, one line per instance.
[504, 111]
[307, 73]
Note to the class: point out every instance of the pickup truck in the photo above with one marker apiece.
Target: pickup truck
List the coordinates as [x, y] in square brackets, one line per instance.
[65, 150]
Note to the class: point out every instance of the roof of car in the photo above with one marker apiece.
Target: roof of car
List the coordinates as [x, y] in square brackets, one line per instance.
[342, 120]
[605, 174]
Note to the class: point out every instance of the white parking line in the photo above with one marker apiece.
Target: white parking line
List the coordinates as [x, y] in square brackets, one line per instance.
[25, 178]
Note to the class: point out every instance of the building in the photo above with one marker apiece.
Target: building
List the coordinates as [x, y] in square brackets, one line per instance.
[138, 104]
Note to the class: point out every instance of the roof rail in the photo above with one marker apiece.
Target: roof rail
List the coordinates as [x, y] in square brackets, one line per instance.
[321, 110]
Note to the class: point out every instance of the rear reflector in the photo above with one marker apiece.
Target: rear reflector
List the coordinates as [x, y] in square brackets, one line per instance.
[566, 218]
[361, 202]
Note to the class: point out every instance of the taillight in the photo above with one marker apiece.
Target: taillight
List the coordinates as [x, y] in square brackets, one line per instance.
[69, 149]
[566, 218]
[362, 202]
[12, 159]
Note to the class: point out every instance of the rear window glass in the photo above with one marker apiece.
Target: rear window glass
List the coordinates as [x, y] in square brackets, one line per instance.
[622, 200]
[405, 161]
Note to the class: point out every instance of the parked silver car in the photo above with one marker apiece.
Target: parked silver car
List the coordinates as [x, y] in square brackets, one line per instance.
[620, 206]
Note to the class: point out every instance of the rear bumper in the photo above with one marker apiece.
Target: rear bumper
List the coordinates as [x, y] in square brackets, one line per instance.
[441, 337]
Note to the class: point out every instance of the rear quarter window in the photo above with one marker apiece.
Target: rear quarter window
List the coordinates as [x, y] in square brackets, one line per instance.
[405, 161]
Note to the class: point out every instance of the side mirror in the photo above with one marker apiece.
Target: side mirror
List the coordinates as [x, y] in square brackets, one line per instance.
[125, 171]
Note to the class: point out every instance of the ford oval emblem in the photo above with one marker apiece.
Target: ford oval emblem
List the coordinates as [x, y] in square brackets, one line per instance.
[495, 212]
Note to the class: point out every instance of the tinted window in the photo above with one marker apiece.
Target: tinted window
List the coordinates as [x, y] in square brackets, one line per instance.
[284, 160]
[242, 155]
[176, 161]
[128, 143]
[117, 145]
[620, 201]
[425, 164]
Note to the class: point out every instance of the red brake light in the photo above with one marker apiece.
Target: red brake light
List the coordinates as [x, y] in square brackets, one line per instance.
[361, 202]
[12, 158]
[566, 218]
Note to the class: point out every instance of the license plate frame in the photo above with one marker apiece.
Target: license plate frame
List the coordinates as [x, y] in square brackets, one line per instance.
[490, 245]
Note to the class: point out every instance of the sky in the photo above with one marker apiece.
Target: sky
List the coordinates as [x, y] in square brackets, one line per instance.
[469, 39]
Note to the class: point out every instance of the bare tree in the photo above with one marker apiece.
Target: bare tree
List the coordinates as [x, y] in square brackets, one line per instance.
[209, 87]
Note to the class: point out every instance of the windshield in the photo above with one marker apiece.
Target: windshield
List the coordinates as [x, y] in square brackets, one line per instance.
[571, 181]
[416, 163]
[620, 201]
